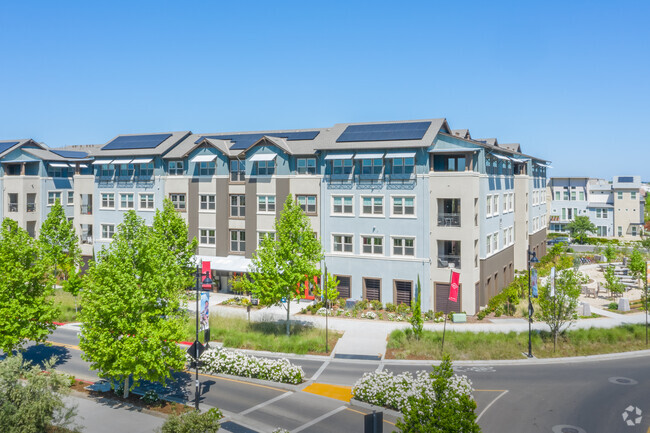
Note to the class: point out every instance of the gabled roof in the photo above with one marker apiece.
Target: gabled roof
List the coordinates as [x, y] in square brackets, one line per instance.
[515, 147]
[462, 133]
[172, 140]
[49, 155]
[6, 146]
[488, 141]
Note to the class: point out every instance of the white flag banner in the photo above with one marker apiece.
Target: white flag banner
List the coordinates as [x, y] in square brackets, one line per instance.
[552, 281]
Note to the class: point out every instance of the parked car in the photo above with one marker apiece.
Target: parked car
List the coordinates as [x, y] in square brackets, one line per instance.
[555, 241]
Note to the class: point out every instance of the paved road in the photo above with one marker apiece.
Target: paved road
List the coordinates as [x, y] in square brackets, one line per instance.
[586, 396]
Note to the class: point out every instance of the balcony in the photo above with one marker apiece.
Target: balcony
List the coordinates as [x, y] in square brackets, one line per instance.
[86, 209]
[86, 239]
[13, 207]
[449, 261]
[31, 207]
[448, 220]
[449, 212]
[449, 254]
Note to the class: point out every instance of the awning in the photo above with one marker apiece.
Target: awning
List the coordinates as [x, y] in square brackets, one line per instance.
[339, 156]
[519, 160]
[453, 150]
[142, 161]
[83, 165]
[400, 155]
[369, 155]
[262, 157]
[226, 264]
[204, 158]
[121, 161]
[543, 165]
[501, 157]
[58, 165]
[102, 162]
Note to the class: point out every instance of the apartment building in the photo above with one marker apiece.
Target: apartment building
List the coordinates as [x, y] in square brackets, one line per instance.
[391, 201]
[615, 208]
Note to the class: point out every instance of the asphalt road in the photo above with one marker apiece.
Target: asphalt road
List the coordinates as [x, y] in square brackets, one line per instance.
[572, 397]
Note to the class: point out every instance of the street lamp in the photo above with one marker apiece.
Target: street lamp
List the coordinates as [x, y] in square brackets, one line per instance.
[532, 259]
[206, 280]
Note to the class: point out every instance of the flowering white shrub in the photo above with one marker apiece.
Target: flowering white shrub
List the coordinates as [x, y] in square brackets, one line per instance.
[392, 391]
[369, 315]
[239, 364]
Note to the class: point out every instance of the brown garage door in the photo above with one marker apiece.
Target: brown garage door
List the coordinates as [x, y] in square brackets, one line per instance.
[344, 286]
[372, 289]
[442, 299]
[403, 292]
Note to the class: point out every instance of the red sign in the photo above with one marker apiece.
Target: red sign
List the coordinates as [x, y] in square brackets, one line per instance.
[205, 267]
[453, 287]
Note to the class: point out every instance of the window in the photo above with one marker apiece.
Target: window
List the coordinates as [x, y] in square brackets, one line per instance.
[404, 206]
[566, 193]
[265, 168]
[403, 292]
[342, 166]
[620, 197]
[106, 171]
[108, 200]
[176, 168]
[31, 202]
[371, 167]
[342, 243]
[262, 235]
[573, 195]
[449, 163]
[372, 244]
[57, 171]
[342, 205]
[238, 206]
[70, 198]
[495, 242]
[146, 201]
[372, 206]
[505, 238]
[488, 244]
[604, 213]
[108, 230]
[449, 212]
[13, 202]
[237, 241]
[207, 237]
[306, 165]
[488, 206]
[512, 201]
[633, 195]
[307, 203]
[178, 200]
[344, 286]
[495, 204]
[266, 203]
[511, 240]
[207, 168]
[126, 201]
[557, 195]
[237, 170]
[402, 166]
[634, 230]
[403, 247]
[125, 171]
[582, 195]
[620, 230]
[207, 202]
[52, 197]
[146, 170]
[506, 199]
[372, 289]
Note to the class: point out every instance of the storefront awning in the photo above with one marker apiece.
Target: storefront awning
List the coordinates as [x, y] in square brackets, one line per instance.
[226, 264]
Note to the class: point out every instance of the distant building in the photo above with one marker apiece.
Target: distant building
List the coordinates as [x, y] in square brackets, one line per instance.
[616, 208]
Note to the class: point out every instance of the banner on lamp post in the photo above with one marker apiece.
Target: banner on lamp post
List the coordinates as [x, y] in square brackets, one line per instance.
[204, 318]
[647, 273]
[552, 281]
[533, 282]
[205, 271]
[453, 286]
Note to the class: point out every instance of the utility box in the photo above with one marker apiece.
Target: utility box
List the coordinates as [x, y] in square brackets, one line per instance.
[459, 317]
[373, 422]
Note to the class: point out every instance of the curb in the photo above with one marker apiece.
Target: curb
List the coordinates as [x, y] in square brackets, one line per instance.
[374, 408]
[269, 383]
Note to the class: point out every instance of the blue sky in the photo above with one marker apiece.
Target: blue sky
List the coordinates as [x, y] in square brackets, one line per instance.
[570, 81]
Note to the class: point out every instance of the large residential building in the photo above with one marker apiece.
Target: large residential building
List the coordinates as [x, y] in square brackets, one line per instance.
[615, 208]
[390, 201]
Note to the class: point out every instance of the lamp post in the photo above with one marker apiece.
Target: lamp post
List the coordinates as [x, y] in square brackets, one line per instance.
[532, 258]
[206, 280]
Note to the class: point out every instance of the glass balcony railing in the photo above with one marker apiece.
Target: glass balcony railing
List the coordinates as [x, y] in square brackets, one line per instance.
[13, 207]
[86, 209]
[31, 207]
[448, 219]
[449, 261]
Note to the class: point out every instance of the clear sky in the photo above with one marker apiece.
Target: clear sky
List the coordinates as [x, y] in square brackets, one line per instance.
[569, 80]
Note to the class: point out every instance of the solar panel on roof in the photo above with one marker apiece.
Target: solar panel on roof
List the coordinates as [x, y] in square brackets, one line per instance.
[384, 132]
[8, 145]
[244, 141]
[136, 142]
[69, 153]
[626, 179]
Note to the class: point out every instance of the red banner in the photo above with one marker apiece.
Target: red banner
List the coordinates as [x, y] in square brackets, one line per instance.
[453, 287]
[205, 267]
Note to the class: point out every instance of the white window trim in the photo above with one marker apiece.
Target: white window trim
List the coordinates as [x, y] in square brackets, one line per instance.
[119, 202]
[370, 235]
[68, 202]
[392, 237]
[343, 214]
[488, 205]
[101, 201]
[48, 198]
[206, 210]
[144, 209]
[383, 206]
[341, 253]
[101, 231]
[496, 201]
[215, 237]
[265, 212]
[415, 208]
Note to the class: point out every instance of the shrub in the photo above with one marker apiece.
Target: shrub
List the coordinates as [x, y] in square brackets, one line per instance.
[239, 364]
[403, 309]
[390, 307]
[150, 397]
[192, 422]
[376, 305]
[612, 306]
[361, 305]
[481, 315]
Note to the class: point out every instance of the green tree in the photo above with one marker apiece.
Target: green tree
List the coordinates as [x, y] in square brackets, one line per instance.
[559, 310]
[332, 289]
[59, 245]
[26, 303]
[132, 316]
[416, 320]
[444, 410]
[612, 282]
[280, 265]
[30, 401]
[579, 228]
[637, 264]
[610, 252]
[193, 422]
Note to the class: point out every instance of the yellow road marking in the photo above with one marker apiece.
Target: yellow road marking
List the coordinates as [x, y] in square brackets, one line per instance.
[69, 346]
[362, 413]
[343, 393]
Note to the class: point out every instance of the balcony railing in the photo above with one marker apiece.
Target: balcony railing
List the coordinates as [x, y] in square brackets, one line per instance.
[448, 219]
[31, 207]
[86, 209]
[448, 261]
[86, 239]
[13, 207]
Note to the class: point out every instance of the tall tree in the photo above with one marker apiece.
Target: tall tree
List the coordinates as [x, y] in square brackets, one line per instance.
[132, 313]
[26, 304]
[612, 282]
[59, 245]
[579, 228]
[416, 319]
[637, 264]
[559, 309]
[280, 265]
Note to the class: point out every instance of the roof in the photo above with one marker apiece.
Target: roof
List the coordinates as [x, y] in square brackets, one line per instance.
[168, 143]
[462, 133]
[515, 147]
[57, 155]
[7, 146]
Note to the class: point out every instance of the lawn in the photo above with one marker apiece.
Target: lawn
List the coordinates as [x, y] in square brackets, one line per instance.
[488, 346]
[66, 303]
[238, 333]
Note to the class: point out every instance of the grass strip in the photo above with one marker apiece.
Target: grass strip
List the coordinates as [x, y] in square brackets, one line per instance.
[489, 346]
